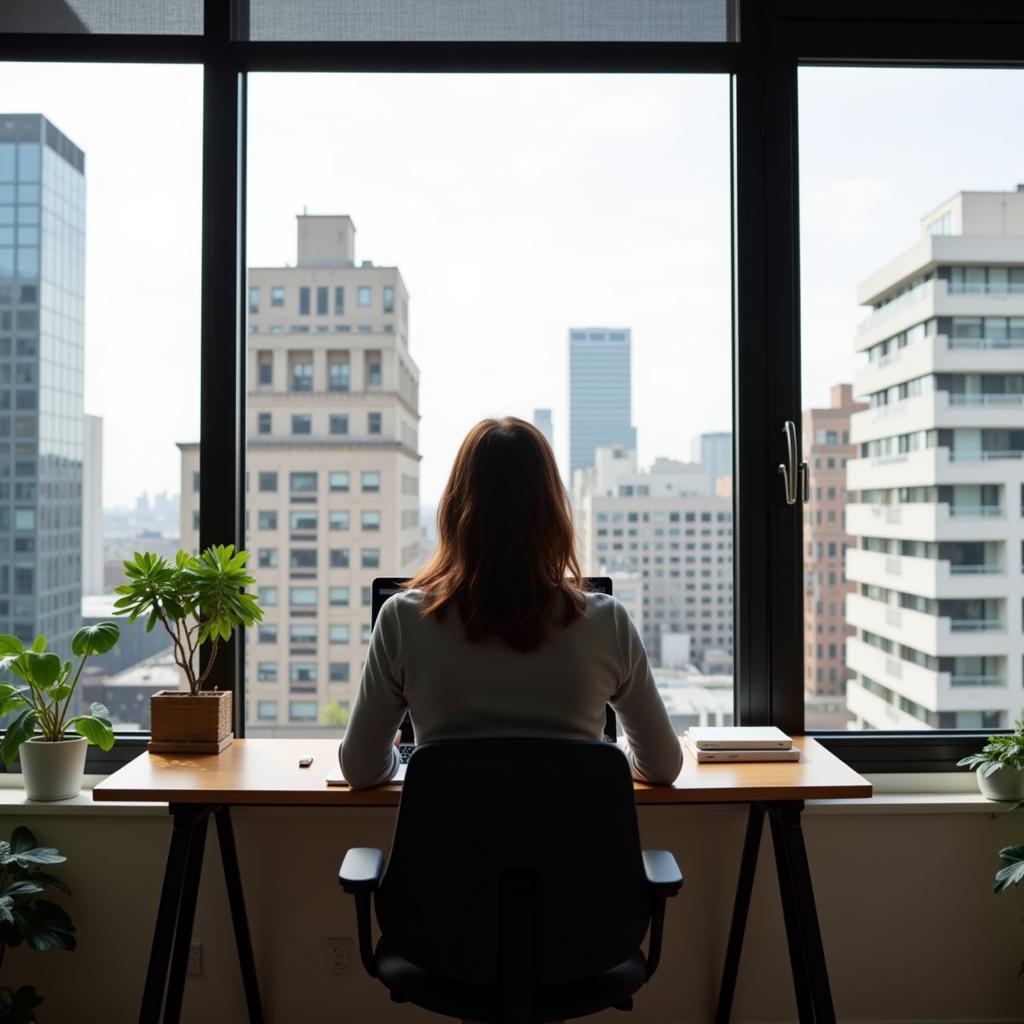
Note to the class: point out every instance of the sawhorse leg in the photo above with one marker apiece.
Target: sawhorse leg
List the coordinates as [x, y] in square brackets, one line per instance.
[803, 935]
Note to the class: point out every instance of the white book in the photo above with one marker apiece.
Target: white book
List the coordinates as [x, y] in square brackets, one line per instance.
[740, 756]
[740, 737]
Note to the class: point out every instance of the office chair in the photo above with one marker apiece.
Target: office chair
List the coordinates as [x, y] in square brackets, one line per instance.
[516, 891]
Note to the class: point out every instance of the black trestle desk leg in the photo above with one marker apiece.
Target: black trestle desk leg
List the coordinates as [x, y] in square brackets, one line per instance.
[186, 919]
[167, 913]
[744, 887]
[236, 899]
[806, 953]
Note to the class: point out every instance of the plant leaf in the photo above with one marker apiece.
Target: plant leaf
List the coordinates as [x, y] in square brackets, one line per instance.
[97, 639]
[95, 730]
[45, 926]
[44, 669]
[24, 851]
[38, 645]
[18, 730]
[48, 881]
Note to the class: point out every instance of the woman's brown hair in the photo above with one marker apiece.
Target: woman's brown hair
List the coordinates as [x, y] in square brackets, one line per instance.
[506, 547]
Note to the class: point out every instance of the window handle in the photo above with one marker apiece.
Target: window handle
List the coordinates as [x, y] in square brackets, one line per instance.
[789, 470]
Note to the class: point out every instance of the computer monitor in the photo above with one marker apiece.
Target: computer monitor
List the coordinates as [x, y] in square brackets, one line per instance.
[384, 587]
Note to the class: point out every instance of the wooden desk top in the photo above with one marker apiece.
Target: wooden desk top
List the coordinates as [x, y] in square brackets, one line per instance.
[266, 772]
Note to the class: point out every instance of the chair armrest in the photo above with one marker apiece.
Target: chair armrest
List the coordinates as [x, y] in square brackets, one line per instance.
[361, 870]
[663, 874]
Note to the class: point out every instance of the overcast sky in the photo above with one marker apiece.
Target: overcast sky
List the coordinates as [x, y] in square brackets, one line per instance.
[515, 207]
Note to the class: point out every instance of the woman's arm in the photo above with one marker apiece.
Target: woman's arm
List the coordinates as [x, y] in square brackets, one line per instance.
[655, 754]
[368, 755]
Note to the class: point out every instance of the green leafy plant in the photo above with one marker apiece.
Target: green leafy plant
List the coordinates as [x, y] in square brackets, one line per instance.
[196, 600]
[334, 714]
[1000, 752]
[44, 702]
[26, 917]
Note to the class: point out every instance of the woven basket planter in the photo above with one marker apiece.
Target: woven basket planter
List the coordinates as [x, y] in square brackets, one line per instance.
[182, 723]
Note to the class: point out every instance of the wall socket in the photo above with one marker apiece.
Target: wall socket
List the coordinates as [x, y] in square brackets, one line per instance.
[195, 959]
[339, 956]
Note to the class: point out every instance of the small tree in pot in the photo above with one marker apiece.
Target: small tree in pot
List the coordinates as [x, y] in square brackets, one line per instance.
[999, 765]
[196, 600]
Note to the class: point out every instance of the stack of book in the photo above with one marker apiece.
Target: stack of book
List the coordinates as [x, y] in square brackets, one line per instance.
[739, 743]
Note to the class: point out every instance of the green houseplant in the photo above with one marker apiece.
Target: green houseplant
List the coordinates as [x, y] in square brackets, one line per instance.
[48, 738]
[26, 917]
[999, 765]
[196, 600]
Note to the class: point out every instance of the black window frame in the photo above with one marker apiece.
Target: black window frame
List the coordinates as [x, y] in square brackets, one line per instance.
[775, 37]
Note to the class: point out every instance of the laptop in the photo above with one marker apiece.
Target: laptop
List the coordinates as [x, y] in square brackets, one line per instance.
[384, 587]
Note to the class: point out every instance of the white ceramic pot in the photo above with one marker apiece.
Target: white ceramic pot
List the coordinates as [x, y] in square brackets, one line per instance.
[53, 771]
[1005, 784]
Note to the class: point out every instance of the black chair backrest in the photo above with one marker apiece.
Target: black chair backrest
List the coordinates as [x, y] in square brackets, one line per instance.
[475, 813]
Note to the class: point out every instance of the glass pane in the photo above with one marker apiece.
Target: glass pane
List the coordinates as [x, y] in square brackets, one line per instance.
[914, 419]
[554, 276]
[103, 17]
[98, 313]
[494, 20]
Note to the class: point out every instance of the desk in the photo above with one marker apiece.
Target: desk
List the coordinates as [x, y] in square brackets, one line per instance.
[265, 772]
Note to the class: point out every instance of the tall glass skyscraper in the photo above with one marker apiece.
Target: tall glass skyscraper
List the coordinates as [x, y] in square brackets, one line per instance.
[42, 285]
[600, 408]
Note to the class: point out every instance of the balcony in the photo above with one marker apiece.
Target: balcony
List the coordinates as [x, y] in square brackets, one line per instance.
[926, 521]
[976, 625]
[926, 577]
[877, 713]
[983, 680]
[975, 344]
[963, 398]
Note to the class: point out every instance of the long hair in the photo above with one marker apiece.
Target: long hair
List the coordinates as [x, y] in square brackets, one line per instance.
[506, 546]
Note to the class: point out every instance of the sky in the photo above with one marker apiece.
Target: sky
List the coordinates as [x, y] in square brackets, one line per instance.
[516, 207]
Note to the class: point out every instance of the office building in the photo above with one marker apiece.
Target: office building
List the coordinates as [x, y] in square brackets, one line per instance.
[827, 448]
[42, 283]
[332, 464]
[714, 452]
[600, 403]
[658, 522]
[542, 421]
[939, 477]
[92, 506]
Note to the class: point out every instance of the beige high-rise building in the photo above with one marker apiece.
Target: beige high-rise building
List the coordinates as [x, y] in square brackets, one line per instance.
[332, 471]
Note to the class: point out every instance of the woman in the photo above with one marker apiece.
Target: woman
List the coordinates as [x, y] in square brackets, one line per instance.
[495, 636]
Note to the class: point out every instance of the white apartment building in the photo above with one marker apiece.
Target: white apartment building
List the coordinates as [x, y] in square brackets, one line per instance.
[937, 526]
[660, 523]
[332, 470]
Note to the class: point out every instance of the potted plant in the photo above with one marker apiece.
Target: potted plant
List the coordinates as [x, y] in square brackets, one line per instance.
[197, 600]
[999, 765]
[52, 762]
[25, 917]
[1012, 873]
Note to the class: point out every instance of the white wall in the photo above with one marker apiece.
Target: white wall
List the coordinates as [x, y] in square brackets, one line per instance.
[912, 930]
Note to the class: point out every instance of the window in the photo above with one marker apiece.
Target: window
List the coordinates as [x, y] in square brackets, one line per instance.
[339, 633]
[263, 423]
[389, 299]
[338, 373]
[267, 481]
[302, 673]
[302, 558]
[267, 672]
[302, 424]
[371, 558]
[339, 481]
[370, 481]
[266, 633]
[302, 597]
[302, 633]
[373, 369]
[339, 558]
[338, 672]
[304, 482]
[339, 300]
[321, 301]
[266, 519]
[302, 711]
[304, 301]
[373, 422]
[277, 296]
[338, 597]
[369, 520]
[267, 558]
[265, 368]
[267, 596]
[254, 300]
[339, 519]
[302, 376]
[266, 710]
[338, 423]
[364, 633]
[364, 296]
[302, 520]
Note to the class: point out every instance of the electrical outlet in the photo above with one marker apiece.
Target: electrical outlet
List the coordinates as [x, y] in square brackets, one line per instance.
[195, 959]
[339, 959]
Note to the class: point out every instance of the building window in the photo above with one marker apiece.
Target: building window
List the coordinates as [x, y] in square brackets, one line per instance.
[373, 423]
[302, 376]
[367, 597]
[266, 671]
[339, 519]
[321, 301]
[266, 710]
[267, 480]
[267, 558]
[338, 423]
[364, 296]
[371, 558]
[304, 301]
[302, 482]
[373, 372]
[302, 672]
[339, 633]
[302, 633]
[339, 481]
[263, 423]
[254, 300]
[267, 596]
[370, 481]
[267, 633]
[302, 710]
[302, 597]
[338, 375]
[195, 481]
[302, 558]
[339, 558]
[266, 520]
[338, 597]
[364, 633]
[338, 671]
[339, 300]
[389, 299]
[302, 424]
[277, 296]
[302, 520]
[369, 520]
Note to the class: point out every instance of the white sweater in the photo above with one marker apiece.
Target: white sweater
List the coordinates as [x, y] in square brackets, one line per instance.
[455, 689]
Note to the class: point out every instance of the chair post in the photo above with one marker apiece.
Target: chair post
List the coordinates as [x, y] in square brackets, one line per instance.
[517, 951]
